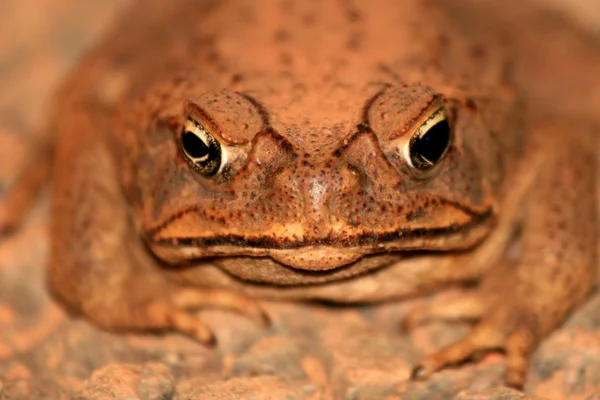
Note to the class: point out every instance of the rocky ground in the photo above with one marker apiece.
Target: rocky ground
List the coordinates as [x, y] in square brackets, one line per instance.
[311, 352]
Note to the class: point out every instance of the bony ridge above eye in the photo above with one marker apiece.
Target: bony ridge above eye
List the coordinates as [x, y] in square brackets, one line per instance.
[201, 149]
[430, 142]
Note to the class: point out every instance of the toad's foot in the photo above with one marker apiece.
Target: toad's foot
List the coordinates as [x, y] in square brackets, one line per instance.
[174, 313]
[508, 319]
[172, 309]
[509, 327]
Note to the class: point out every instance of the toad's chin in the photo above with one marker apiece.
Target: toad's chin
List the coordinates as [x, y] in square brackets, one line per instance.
[266, 270]
[317, 258]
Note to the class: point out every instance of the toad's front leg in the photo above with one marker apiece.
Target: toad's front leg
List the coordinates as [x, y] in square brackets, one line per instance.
[519, 305]
[99, 265]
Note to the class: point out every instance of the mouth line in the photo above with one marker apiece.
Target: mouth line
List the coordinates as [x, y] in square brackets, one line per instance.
[365, 239]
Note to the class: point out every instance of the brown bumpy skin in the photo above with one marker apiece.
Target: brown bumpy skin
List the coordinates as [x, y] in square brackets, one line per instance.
[96, 271]
[315, 107]
[518, 304]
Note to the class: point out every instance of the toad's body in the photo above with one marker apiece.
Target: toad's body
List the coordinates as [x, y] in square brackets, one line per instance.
[312, 187]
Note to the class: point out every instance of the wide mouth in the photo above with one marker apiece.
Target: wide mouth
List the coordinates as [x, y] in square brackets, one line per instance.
[327, 253]
[365, 238]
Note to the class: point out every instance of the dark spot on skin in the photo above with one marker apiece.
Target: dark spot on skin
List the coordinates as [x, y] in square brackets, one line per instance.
[212, 57]
[354, 16]
[282, 36]
[179, 79]
[309, 19]
[237, 78]
[471, 105]
[354, 42]
[477, 51]
[286, 59]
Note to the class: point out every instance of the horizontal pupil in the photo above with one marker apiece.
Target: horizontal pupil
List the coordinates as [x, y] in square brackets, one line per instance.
[193, 145]
[432, 145]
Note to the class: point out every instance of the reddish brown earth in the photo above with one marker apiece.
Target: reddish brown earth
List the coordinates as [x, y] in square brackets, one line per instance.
[311, 352]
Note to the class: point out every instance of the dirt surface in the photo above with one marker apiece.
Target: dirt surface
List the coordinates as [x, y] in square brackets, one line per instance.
[311, 352]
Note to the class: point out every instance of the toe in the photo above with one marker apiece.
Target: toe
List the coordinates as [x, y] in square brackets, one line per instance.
[165, 316]
[519, 347]
[482, 338]
[468, 306]
[214, 298]
[192, 326]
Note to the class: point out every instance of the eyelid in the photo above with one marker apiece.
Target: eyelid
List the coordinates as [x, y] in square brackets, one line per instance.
[437, 116]
[200, 117]
[416, 127]
[413, 122]
[192, 125]
[197, 113]
[201, 131]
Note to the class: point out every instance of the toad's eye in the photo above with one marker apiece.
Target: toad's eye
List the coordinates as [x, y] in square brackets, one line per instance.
[202, 151]
[430, 142]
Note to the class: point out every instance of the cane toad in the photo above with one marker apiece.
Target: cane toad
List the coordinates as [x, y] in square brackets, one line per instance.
[210, 153]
